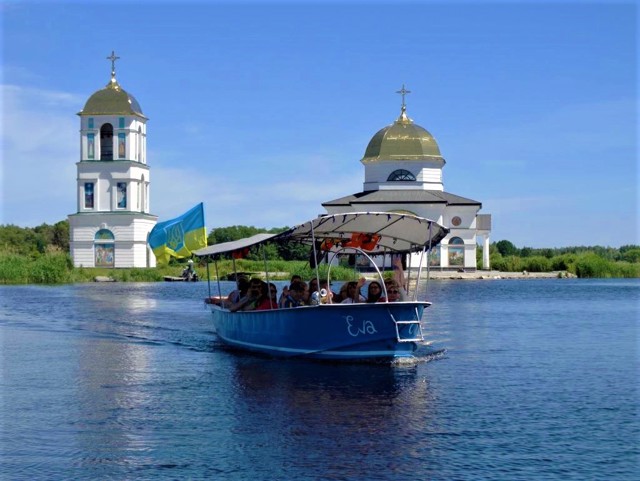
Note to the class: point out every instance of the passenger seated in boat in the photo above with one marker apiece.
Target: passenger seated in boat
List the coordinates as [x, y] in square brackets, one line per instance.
[242, 283]
[374, 292]
[295, 298]
[341, 295]
[234, 297]
[269, 299]
[313, 286]
[285, 289]
[251, 300]
[394, 292]
[353, 292]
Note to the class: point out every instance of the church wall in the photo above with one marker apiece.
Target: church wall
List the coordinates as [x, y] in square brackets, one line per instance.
[431, 178]
[105, 176]
[130, 238]
[466, 214]
[134, 128]
[428, 175]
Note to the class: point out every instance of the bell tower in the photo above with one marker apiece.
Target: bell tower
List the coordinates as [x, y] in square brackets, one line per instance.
[112, 221]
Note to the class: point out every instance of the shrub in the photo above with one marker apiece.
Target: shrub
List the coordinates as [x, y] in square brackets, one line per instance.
[14, 269]
[537, 264]
[508, 264]
[592, 265]
[563, 262]
[51, 268]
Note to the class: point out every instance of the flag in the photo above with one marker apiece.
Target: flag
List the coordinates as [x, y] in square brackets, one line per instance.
[179, 236]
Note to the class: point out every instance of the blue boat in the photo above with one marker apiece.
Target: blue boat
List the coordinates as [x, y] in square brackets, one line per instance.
[381, 331]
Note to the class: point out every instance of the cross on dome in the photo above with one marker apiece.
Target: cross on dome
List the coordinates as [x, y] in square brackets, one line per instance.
[113, 59]
[403, 92]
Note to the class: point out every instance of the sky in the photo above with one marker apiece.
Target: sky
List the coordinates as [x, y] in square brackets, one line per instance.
[263, 110]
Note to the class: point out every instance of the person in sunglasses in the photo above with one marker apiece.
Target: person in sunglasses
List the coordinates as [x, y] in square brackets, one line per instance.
[270, 299]
[252, 299]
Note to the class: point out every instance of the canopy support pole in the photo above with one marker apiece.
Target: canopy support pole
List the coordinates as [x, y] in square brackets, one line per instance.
[408, 280]
[215, 264]
[266, 274]
[315, 261]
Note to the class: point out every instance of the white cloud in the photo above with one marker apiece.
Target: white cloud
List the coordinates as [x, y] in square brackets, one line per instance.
[39, 151]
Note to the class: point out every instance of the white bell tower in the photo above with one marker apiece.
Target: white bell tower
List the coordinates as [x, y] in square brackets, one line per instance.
[112, 221]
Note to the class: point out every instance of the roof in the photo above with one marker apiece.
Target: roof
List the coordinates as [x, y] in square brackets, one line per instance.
[402, 140]
[401, 197]
[375, 232]
[112, 100]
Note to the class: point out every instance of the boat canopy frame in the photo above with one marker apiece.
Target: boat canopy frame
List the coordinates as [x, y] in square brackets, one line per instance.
[368, 233]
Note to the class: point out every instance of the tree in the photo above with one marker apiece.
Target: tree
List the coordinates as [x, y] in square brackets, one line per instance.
[506, 248]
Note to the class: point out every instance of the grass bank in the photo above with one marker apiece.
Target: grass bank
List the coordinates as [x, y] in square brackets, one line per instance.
[57, 268]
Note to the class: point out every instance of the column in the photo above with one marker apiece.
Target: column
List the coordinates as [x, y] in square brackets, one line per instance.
[485, 252]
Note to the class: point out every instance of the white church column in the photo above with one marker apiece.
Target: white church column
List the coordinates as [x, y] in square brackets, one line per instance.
[485, 252]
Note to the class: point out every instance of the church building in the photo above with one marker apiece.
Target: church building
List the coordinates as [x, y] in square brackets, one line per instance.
[403, 173]
[112, 221]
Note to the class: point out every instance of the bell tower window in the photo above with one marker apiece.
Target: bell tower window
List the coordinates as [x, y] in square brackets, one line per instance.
[91, 146]
[121, 189]
[88, 195]
[106, 142]
[122, 146]
[401, 175]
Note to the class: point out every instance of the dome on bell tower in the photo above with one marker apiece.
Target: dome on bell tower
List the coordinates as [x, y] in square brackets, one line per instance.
[112, 99]
[402, 140]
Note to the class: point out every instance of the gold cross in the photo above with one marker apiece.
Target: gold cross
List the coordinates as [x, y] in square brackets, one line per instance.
[113, 59]
[403, 92]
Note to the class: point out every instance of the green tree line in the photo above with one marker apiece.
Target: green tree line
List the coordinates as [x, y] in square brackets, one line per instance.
[583, 261]
[41, 255]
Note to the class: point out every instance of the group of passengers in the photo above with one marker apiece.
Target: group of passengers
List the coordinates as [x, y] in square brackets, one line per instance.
[256, 295]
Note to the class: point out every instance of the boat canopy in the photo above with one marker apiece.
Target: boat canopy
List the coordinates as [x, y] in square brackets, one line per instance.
[233, 246]
[373, 232]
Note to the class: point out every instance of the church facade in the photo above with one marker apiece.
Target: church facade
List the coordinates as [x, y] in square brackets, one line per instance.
[403, 173]
[112, 221]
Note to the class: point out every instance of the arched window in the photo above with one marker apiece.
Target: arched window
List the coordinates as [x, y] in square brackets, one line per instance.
[456, 252]
[139, 154]
[106, 142]
[401, 175]
[142, 193]
[104, 248]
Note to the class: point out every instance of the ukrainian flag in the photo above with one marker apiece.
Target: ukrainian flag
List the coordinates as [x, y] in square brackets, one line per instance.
[179, 236]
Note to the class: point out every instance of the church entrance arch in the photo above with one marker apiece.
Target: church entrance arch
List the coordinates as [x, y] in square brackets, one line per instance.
[456, 252]
[104, 246]
[106, 142]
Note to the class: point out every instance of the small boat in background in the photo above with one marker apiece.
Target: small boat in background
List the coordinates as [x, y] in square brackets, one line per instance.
[188, 275]
[381, 331]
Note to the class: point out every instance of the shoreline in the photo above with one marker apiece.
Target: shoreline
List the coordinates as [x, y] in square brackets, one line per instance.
[497, 275]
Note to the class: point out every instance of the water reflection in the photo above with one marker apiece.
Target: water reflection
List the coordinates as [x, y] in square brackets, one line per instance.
[339, 412]
[111, 385]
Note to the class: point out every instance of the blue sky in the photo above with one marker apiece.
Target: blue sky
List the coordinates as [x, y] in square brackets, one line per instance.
[263, 110]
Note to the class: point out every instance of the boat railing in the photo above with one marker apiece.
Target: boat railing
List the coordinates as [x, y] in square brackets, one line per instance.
[414, 326]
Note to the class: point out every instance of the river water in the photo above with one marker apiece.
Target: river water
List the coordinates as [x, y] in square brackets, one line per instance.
[521, 380]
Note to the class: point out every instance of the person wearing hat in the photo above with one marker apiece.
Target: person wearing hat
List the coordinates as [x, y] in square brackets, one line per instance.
[189, 273]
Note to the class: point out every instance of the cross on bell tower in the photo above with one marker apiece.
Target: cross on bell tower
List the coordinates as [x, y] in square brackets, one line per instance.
[113, 59]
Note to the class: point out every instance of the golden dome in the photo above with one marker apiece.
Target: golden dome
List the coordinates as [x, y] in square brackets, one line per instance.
[112, 100]
[402, 140]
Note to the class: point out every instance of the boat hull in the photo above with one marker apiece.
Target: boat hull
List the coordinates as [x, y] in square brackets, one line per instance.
[328, 332]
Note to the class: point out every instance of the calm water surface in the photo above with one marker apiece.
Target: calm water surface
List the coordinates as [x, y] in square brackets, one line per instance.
[532, 379]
